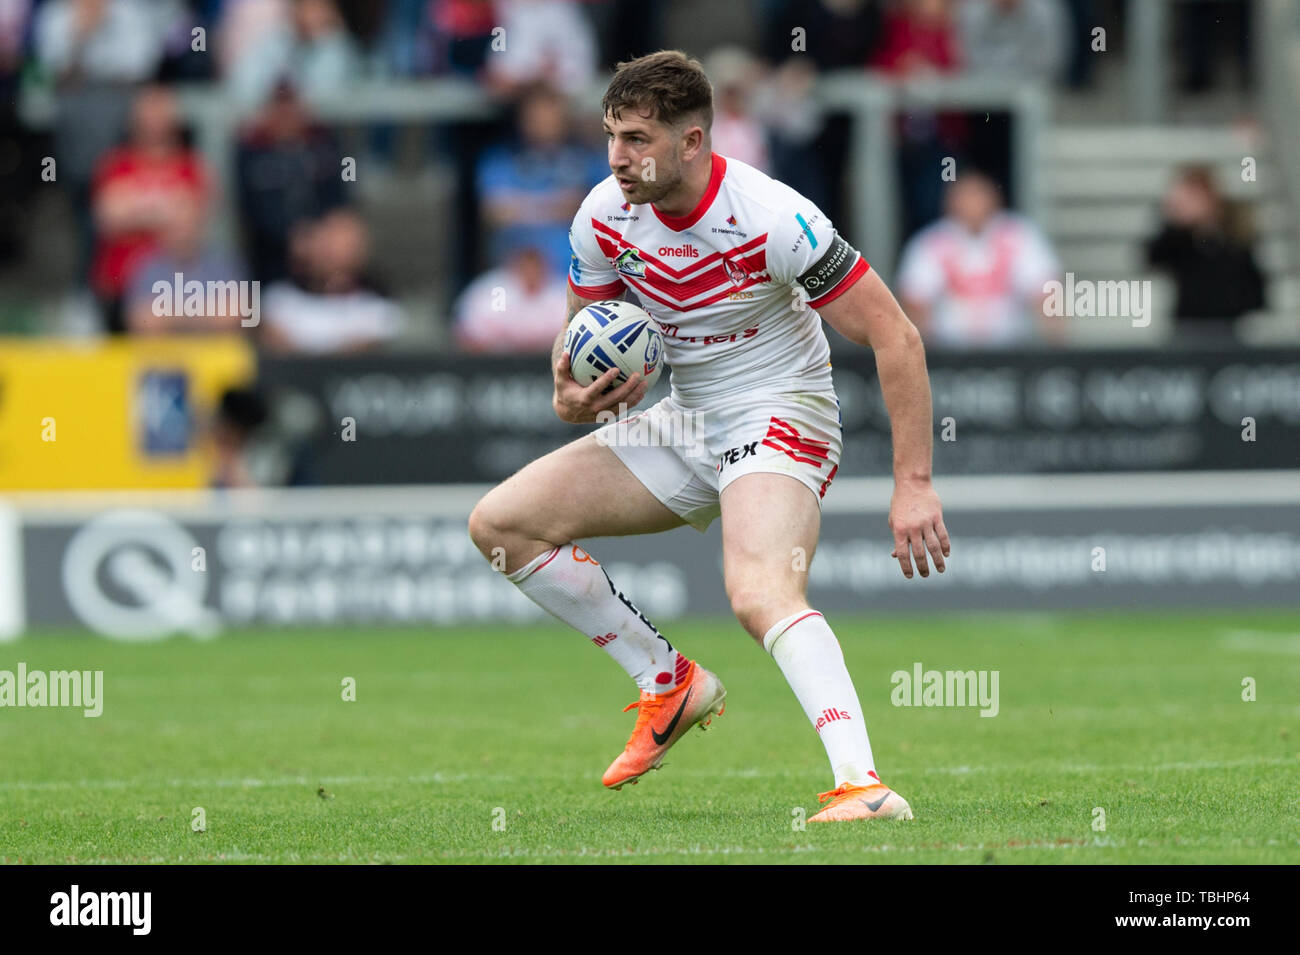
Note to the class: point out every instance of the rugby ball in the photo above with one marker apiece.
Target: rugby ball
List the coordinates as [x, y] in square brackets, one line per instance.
[614, 334]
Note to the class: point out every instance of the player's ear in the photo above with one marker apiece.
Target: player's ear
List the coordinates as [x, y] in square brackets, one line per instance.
[692, 142]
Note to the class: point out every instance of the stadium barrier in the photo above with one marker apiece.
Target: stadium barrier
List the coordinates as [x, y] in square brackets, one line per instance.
[145, 565]
[113, 413]
[422, 419]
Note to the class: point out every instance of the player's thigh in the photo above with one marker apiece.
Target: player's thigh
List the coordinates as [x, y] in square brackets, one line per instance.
[580, 490]
[770, 524]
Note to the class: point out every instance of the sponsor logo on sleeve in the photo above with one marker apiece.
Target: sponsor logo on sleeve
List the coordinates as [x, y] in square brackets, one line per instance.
[830, 269]
[805, 231]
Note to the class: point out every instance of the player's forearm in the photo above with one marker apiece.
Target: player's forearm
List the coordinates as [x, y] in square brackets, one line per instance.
[905, 384]
[558, 348]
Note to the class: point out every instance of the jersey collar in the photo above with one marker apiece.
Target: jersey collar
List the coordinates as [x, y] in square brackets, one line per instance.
[679, 223]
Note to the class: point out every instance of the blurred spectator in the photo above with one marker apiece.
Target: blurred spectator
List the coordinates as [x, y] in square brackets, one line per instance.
[837, 34]
[135, 189]
[463, 29]
[918, 41]
[176, 21]
[1009, 41]
[547, 41]
[329, 306]
[736, 132]
[313, 50]
[242, 26]
[512, 308]
[531, 189]
[794, 121]
[1085, 16]
[1013, 39]
[616, 43]
[287, 169]
[832, 35]
[98, 41]
[16, 161]
[1203, 29]
[976, 278]
[95, 51]
[185, 256]
[1203, 244]
[406, 38]
[238, 417]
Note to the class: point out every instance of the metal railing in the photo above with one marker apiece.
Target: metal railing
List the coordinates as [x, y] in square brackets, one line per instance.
[1279, 22]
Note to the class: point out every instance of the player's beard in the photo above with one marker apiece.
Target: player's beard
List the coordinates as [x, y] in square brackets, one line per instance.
[654, 190]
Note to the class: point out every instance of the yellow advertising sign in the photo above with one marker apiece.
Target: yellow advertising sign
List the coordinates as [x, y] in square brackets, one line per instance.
[128, 413]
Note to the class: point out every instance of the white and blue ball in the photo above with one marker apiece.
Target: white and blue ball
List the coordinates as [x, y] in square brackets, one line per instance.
[614, 334]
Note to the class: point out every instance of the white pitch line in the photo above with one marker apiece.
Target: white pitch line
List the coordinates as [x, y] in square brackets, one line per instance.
[1261, 641]
[249, 782]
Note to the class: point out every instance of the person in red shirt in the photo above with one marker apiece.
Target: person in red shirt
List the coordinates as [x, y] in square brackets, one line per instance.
[134, 187]
[918, 40]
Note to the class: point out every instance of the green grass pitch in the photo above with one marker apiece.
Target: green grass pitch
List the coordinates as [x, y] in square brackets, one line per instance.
[486, 744]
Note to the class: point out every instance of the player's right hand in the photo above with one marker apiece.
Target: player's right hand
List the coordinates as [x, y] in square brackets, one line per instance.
[580, 404]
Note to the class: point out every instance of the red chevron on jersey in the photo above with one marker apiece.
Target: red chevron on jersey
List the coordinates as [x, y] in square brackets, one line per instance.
[606, 232]
[784, 437]
[754, 265]
[717, 274]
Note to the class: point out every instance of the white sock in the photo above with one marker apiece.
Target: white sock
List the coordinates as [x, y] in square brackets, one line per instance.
[569, 584]
[807, 652]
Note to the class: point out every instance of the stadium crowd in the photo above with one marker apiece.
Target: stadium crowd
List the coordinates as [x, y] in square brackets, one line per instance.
[141, 194]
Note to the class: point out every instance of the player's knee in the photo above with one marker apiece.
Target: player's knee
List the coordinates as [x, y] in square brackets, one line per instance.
[487, 527]
[755, 608]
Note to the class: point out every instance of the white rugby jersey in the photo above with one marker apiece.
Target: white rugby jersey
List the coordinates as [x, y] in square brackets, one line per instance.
[724, 282]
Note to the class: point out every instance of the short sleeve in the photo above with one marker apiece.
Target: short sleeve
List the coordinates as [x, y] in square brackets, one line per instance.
[1036, 263]
[920, 276]
[804, 249]
[590, 274]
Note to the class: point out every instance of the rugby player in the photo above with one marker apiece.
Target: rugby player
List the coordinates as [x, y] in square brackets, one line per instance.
[738, 271]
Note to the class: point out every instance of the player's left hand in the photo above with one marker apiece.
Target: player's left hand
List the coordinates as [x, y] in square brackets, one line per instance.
[916, 520]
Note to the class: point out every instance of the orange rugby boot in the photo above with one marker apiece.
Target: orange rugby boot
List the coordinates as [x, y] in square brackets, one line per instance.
[664, 719]
[876, 801]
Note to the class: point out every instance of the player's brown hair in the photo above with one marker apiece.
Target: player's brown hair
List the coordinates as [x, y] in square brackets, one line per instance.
[669, 84]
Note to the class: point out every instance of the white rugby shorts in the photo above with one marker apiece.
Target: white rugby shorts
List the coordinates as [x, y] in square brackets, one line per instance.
[686, 457]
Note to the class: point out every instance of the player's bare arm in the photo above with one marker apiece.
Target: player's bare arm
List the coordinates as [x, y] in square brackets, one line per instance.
[868, 314]
[574, 402]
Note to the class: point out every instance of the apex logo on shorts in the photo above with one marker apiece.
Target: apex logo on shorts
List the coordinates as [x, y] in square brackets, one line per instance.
[732, 455]
[831, 716]
[602, 639]
[680, 251]
[102, 908]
